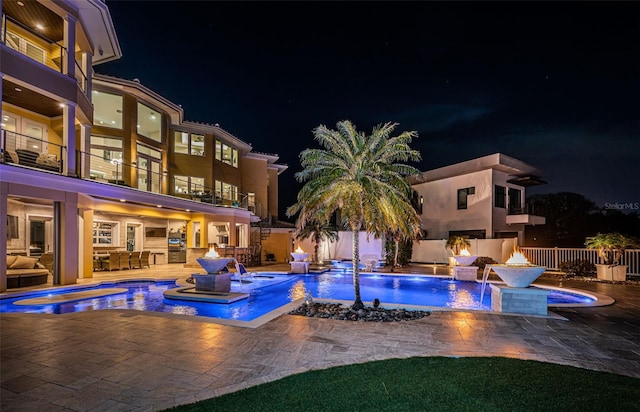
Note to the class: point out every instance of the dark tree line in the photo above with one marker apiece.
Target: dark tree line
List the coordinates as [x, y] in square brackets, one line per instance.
[571, 218]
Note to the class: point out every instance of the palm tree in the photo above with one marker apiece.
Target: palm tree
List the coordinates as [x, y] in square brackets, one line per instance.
[357, 175]
[317, 231]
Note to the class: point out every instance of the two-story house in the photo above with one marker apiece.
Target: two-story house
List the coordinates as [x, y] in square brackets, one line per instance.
[482, 198]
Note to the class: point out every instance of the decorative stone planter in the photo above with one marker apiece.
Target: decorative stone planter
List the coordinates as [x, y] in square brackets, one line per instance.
[213, 283]
[616, 273]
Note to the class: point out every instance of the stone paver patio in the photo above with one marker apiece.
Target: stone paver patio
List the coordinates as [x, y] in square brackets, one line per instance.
[141, 361]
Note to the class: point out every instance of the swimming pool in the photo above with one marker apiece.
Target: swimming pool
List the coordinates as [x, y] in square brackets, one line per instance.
[271, 291]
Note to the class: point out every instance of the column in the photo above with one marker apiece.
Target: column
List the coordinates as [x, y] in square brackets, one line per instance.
[85, 149]
[70, 45]
[69, 139]
[66, 240]
[87, 69]
[4, 189]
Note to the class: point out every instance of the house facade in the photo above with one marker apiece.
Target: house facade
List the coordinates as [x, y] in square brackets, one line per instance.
[482, 198]
[92, 164]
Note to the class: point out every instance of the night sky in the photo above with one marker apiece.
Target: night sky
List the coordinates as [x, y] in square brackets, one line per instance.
[555, 84]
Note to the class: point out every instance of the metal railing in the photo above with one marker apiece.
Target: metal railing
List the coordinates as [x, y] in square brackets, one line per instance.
[22, 46]
[552, 257]
[115, 171]
[27, 151]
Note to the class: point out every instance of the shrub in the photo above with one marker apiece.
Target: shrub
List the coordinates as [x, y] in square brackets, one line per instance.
[483, 261]
[578, 267]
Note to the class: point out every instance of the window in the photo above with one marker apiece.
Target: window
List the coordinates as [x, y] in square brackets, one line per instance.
[105, 162]
[515, 204]
[107, 109]
[25, 47]
[226, 191]
[190, 185]
[226, 154]
[462, 196]
[149, 122]
[105, 233]
[500, 196]
[186, 143]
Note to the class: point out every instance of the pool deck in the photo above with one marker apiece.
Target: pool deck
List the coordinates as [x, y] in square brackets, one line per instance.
[124, 360]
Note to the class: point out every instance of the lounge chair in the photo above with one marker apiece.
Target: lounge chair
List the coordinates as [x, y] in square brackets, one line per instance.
[242, 271]
[134, 261]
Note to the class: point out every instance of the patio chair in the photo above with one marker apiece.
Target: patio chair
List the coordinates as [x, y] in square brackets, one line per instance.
[144, 259]
[124, 260]
[242, 271]
[46, 260]
[134, 261]
[112, 262]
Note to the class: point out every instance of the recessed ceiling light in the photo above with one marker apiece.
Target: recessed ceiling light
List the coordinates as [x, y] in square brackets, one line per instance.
[159, 205]
[61, 105]
[39, 26]
[123, 200]
[17, 89]
[188, 210]
[20, 4]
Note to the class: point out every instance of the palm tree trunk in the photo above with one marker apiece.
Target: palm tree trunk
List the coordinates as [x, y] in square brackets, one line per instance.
[357, 303]
[395, 257]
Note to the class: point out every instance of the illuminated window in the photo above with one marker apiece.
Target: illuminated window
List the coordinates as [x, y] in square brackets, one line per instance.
[149, 122]
[107, 109]
[105, 160]
[186, 143]
[191, 185]
[226, 191]
[226, 154]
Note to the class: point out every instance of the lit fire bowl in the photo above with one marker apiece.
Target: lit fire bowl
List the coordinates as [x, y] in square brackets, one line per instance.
[214, 280]
[213, 265]
[299, 257]
[465, 260]
[518, 276]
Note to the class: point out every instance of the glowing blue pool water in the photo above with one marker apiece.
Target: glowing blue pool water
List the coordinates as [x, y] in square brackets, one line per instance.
[272, 291]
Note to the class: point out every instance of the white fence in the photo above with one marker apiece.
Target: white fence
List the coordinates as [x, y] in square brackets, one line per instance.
[552, 257]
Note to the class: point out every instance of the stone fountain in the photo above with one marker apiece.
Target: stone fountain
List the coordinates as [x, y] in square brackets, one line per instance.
[464, 270]
[299, 264]
[216, 279]
[517, 297]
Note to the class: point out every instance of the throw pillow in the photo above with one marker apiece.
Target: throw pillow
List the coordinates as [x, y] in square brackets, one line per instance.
[23, 262]
[11, 260]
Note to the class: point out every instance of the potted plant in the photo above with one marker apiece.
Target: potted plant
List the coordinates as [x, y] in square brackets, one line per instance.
[456, 244]
[611, 247]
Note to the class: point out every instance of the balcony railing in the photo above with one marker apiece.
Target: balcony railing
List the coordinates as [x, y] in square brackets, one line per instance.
[10, 38]
[115, 171]
[27, 151]
[527, 209]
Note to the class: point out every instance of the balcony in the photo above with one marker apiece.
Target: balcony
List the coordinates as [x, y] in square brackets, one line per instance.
[43, 50]
[523, 216]
[25, 151]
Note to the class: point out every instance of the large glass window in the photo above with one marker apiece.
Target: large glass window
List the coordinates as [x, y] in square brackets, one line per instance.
[226, 191]
[149, 122]
[226, 154]
[515, 201]
[191, 185]
[106, 159]
[186, 143]
[149, 161]
[107, 109]
[25, 47]
[500, 196]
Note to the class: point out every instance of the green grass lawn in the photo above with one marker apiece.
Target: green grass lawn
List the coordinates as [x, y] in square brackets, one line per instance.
[437, 384]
